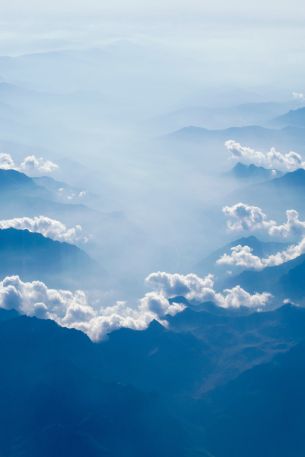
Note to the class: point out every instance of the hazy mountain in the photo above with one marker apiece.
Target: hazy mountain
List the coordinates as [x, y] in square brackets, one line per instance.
[21, 195]
[251, 172]
[290, 138]
[285, 280]
[294, 180]
[33, 256]
[294, 118]
[274, 195]
[223, 116]
[12, 180]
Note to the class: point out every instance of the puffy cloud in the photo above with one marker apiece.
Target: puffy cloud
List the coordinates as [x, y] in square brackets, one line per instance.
[272, 159]
[30, 165]
[292, 227]
[246, 217]
[6, 162]
[242, 256]
[48, 227]
[189, 286]
[243, 217]
[33, 165]
[201, 289]
[73, 310]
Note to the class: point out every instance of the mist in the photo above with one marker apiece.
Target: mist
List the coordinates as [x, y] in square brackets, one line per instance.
[105, 97]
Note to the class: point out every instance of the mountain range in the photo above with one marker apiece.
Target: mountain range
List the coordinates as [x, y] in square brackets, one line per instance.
[33, 256]
[172, 393]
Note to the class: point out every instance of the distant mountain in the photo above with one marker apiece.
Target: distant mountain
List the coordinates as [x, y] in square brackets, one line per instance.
[33, 256]
[294, 118]
[260, 248]
[209, 141]
[223, 116]
[21, 195]
[274, 195]
[293, 180]
[285, 281]
[12, 180]
[251, 172]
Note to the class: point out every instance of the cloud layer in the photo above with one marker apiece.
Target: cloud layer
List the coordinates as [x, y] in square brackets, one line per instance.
[273, 159]
[48, 227]
[30, 165]
[73, 310]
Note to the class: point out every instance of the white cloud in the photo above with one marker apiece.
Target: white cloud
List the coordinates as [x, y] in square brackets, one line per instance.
[189, 286]
[33, 165]
[201, 289]
[242, 256]
[72, 309]
[273, 159]
[292, 227]
[6, 162]
[48, 227]
[243, 217]
[30, 165]
[298, 96]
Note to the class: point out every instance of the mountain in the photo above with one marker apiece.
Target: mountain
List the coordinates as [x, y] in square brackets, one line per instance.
[251, 172]
[294, 118]
[260, 248]
[21, 195]
[33, 256]
[294, 180]
[54, 400]
[260, 413]
[162, 391]
[274, 195]
[284, 281]
[12, 181]
[223, 116]
[253, 136]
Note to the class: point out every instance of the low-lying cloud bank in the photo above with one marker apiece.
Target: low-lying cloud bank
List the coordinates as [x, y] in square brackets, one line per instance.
[31, 165]
[73, 310]
[51, 228]
[243, 217]
[272, 160]
[242, 256]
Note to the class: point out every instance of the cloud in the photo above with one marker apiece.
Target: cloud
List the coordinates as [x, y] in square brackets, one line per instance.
[48, 227]
[242, 256]
[30, 165]
[73, 310]
[33, 165]
[201, 289]
[298, 96]
[273, 159]
[243, 217]
[6, 162]
[190, 286]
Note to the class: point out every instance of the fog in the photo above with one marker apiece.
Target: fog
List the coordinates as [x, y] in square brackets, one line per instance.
[101, 97]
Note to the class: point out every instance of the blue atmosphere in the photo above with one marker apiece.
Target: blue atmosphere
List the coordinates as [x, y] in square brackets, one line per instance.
[152, 228]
